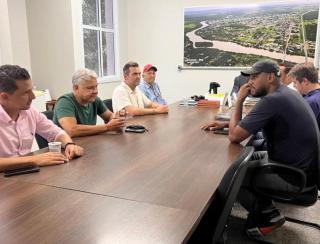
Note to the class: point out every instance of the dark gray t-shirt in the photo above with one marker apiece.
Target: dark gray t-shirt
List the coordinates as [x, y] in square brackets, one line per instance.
[288, 126]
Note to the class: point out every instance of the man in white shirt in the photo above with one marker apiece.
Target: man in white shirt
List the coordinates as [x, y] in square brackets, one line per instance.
[128, 96]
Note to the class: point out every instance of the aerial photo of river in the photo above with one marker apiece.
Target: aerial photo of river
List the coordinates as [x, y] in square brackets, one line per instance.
[242, 34]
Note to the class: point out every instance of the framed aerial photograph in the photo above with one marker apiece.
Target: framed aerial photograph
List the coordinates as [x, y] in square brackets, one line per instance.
[239, 35]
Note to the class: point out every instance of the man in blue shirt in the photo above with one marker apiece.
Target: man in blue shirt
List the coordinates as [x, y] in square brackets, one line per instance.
[148, 85]
[305, 79]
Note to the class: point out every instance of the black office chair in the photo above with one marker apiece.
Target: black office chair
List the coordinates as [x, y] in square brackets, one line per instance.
[108, 103]
[228, 198]
[300, 194]
[258, 142]
[212, 226]
[42, 143]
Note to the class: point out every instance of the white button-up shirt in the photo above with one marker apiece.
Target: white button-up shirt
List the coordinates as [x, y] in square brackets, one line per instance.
[123, 96]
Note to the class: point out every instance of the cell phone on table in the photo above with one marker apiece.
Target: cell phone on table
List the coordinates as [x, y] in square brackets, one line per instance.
[223, 131]
[22, 170]
[135, 128]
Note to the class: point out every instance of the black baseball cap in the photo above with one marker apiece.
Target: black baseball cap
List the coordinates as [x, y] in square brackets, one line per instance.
[266, 66]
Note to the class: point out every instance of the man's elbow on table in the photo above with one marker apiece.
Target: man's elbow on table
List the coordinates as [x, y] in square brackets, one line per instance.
[238, 134]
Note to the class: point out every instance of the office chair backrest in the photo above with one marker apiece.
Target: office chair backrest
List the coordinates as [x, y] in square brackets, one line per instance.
[240, 165]
[42, 143]
[108, 103]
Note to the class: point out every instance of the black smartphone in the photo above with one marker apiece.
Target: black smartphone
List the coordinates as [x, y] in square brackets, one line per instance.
[23, 170]
[224, 131]
[135, 128]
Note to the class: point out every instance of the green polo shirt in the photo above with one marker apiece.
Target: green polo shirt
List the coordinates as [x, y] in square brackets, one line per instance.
[67, 106]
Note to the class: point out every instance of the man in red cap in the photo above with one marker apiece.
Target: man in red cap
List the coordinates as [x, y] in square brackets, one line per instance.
[129, 97]
[148, 85]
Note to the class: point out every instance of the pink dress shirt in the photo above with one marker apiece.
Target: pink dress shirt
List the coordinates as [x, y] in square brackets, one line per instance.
[16, 137]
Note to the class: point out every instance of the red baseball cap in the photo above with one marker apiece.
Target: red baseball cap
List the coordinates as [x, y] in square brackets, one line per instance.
[147, 67]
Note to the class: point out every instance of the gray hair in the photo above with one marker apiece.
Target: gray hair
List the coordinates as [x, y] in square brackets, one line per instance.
[83, 75]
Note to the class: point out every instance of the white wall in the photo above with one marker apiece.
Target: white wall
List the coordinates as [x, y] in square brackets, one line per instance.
[150, 31]
[5, 40]
[19, 33]
[14, 41]
[56, 44]
[51, 44]
[155, 34]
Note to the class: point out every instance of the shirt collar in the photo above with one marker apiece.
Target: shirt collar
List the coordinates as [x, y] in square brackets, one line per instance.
[146, 84]
[4, 116]
[309, 94]
[128, 88]
[7, 119]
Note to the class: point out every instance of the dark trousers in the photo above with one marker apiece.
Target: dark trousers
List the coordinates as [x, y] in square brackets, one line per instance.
[247, 197]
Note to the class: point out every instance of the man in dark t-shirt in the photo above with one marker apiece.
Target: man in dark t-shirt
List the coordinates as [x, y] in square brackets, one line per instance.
[281, 115]
[290, 130]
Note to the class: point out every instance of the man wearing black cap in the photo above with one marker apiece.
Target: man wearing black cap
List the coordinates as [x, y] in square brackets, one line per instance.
[280, 114]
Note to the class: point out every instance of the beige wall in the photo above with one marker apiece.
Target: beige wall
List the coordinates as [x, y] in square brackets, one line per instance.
[19, 33]
[5, 40]
[56, 44]
[14, 41]
[155, 31]
[150, 31]
[51, 44]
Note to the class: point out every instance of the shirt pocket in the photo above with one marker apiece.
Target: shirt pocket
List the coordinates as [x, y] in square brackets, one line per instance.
[26, 132]
[26, 143]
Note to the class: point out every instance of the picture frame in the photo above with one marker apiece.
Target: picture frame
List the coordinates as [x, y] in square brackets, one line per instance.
[236, 36]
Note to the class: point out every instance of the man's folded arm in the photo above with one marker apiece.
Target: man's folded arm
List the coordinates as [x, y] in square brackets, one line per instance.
[69, 124]
[135, 111]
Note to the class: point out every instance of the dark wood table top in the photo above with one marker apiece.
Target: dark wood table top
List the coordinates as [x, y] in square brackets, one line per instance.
[127, 188]
[174, 164]
[33, 213]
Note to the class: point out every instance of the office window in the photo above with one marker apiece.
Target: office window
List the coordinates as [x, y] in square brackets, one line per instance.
[99, 36]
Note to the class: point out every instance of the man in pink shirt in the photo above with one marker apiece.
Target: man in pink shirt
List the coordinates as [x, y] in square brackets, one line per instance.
[19, 122]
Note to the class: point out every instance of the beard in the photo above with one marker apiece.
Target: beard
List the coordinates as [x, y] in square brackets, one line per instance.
[258, 93]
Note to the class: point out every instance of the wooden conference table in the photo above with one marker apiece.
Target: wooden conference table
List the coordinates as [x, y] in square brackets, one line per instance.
[127, 188]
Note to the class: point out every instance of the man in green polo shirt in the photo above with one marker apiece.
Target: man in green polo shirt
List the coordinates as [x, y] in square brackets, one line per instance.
[77, 112]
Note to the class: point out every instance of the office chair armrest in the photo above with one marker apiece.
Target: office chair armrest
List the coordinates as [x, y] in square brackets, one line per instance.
[291, 175]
